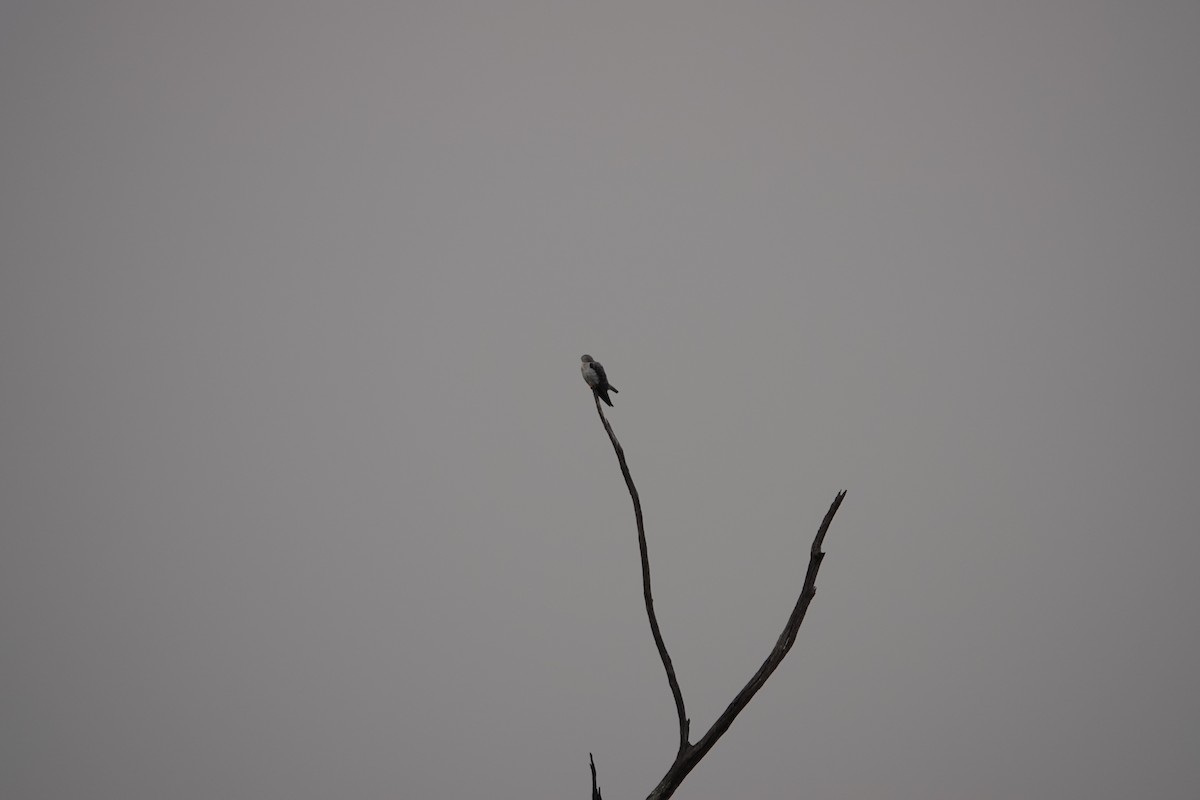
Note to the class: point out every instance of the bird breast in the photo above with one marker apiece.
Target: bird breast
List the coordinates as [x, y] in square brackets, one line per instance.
[589, 375]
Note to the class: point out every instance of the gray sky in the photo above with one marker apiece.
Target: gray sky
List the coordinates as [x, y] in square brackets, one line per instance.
[303, 496]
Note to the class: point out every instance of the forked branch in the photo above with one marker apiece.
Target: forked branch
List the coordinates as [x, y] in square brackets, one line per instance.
[686, 761]
[689, 755]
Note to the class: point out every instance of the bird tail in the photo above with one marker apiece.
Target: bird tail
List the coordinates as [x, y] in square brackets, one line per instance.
[603, 393]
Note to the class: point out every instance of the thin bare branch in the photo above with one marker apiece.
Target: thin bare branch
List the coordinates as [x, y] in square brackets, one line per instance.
[687, 760]
[595, 786]
[689, 755]
[654, 629]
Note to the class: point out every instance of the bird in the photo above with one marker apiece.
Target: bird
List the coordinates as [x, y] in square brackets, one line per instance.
[595, 377]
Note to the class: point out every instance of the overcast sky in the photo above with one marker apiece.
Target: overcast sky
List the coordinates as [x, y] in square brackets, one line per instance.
[302, 495]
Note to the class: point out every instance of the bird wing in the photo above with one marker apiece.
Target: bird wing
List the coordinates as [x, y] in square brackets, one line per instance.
[601, 378]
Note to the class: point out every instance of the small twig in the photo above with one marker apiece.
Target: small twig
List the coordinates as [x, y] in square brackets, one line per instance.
[654, 630]
[595, 786]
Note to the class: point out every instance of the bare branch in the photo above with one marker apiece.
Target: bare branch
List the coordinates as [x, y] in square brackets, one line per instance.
[595, 786]
[688, 760]
[689, 755]
[654, 630]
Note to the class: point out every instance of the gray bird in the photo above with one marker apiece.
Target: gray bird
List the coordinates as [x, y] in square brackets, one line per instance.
[593, 376]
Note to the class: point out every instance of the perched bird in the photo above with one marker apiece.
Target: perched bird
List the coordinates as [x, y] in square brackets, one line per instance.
[593, 376]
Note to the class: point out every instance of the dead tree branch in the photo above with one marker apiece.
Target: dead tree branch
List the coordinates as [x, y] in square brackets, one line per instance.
[689, 755]
[654, 630]
[686, 761]
[595, 786]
